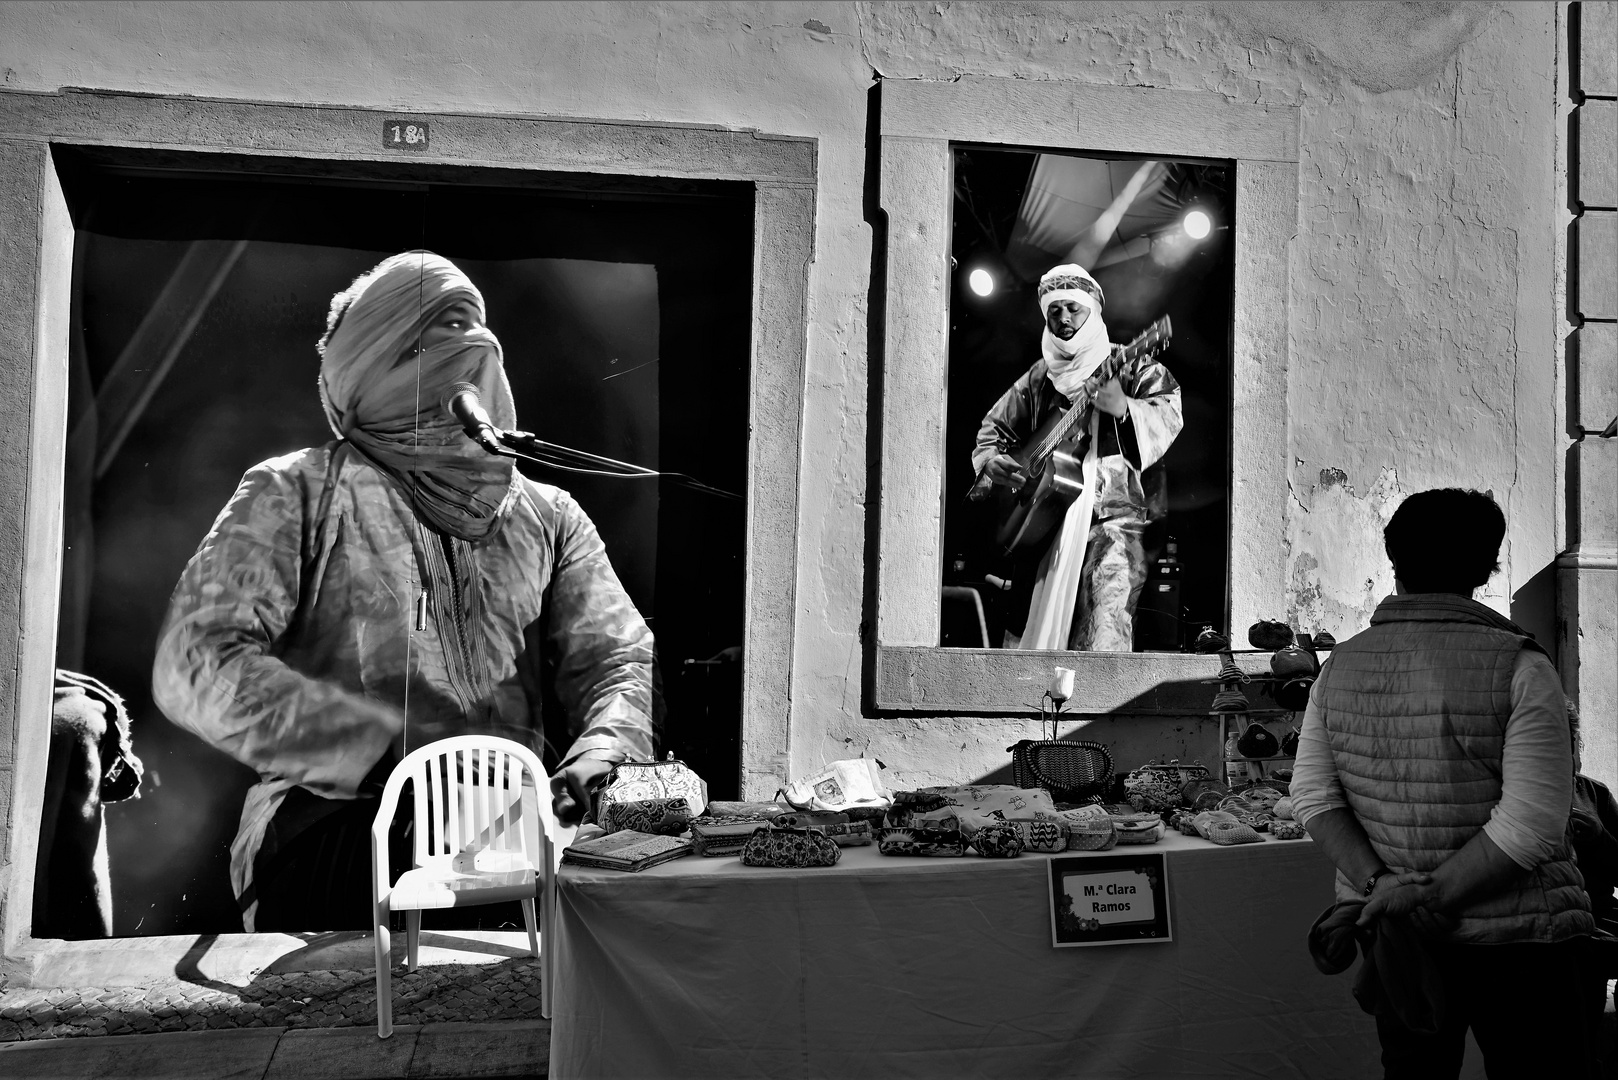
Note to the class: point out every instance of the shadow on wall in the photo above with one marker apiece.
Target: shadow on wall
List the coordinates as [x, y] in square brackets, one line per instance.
[1173, 721]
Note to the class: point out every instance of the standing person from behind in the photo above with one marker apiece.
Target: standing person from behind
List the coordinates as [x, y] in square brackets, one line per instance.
[395, 587]
[1435, 770]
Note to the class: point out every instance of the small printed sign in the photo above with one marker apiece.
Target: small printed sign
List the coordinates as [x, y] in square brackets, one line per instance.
[401, 133]
[1108, 900]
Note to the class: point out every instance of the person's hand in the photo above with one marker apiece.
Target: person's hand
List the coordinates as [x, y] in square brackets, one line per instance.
[1401, 894]
[1581, 823]
[1110, 399]
[1003, 469]
[570, 788]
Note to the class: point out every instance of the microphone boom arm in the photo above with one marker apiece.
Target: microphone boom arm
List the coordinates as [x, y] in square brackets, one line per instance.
[529, 447]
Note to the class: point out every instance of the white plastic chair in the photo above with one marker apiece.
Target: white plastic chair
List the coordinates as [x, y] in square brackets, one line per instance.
[484, 834]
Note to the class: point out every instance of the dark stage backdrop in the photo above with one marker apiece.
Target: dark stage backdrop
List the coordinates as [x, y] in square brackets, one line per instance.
[625, 319]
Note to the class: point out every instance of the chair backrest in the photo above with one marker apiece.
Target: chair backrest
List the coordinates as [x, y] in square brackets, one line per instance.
[473, 793]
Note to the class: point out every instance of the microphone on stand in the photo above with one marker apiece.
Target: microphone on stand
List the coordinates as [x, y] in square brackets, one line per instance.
[466, 407]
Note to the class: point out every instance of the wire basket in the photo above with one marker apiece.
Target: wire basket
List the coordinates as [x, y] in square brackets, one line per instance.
[1070, 772]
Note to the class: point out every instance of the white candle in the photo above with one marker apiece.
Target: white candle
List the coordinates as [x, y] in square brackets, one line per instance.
[1061, 684]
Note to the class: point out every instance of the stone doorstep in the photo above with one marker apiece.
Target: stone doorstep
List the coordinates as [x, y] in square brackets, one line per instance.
[237, 958]
[443, 1051]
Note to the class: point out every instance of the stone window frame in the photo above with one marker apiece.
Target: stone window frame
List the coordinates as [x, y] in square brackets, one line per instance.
[920, 124]
[36, 255]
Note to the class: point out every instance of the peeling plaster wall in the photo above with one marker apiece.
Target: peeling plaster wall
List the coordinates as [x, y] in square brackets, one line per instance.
[1423, 350]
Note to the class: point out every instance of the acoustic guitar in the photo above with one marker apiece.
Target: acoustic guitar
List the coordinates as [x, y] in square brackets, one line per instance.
[1054, 470]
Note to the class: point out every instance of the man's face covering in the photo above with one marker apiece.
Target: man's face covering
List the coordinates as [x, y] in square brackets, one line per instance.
[387, 399]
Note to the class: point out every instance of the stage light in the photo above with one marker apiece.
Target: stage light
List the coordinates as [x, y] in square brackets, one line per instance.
[981, 281]
[1197, 225]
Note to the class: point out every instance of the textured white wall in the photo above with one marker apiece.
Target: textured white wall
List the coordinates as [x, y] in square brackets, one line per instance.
[1423, 347]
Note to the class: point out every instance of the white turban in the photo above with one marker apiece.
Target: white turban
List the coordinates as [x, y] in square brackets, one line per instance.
[1072, 361]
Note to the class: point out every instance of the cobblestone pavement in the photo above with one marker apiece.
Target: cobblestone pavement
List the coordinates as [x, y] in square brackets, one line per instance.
[508, 990]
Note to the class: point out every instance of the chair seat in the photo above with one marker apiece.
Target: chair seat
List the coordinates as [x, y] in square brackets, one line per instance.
[440, 885]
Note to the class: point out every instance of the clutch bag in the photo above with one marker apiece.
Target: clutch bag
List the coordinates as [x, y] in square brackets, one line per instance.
[773, 845]
[723, 836]
[665, 817]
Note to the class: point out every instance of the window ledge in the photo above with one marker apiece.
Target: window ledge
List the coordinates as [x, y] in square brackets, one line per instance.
[1008, 682]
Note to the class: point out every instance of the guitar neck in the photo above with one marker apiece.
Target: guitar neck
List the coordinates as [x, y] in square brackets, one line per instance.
[1109, 369]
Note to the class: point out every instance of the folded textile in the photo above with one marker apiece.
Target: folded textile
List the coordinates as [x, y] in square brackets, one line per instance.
[1399, 977]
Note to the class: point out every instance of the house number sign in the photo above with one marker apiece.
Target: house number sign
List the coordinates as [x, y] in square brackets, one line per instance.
[402, 133]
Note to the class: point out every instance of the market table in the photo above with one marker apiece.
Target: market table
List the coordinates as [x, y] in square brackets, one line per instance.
[884, 966]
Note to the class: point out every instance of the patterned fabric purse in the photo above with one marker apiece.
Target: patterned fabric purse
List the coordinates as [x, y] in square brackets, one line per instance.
[1143, 828]
[1091, 835]
[665, 817]
[1042, 836]
[998, 841]
[776, 846]
[711, 836]
[843, 832]
[1155, 787]
[637, 781]
[921, 823]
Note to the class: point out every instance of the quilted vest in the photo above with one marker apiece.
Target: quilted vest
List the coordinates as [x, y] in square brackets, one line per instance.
[1415, 709]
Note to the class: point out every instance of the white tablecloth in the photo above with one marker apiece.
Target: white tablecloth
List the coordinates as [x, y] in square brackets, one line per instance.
[894, 967]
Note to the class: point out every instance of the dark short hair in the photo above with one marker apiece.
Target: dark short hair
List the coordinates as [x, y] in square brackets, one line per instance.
[1445, 540]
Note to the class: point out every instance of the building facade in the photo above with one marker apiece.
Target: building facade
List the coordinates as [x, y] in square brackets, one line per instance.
[1424, 295]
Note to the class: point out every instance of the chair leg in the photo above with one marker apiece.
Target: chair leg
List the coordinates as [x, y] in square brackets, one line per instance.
[412, 938]
[547, 961]
[384, 980]
[533, 926]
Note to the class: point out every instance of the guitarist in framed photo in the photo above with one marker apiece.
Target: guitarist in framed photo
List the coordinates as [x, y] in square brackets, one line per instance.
[1072, 452]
